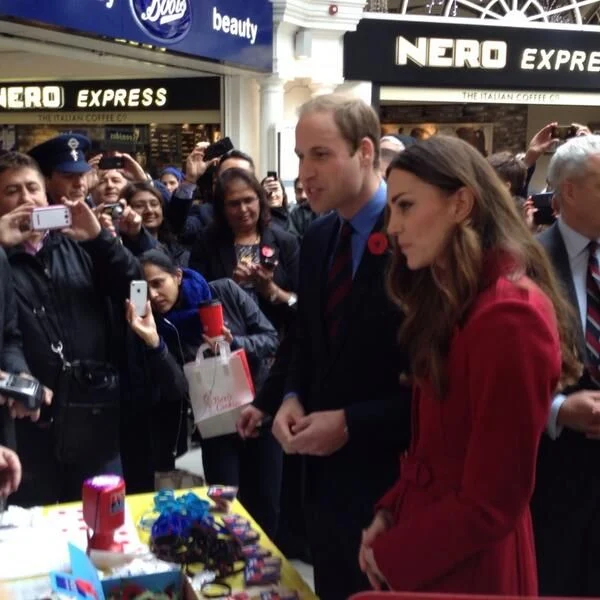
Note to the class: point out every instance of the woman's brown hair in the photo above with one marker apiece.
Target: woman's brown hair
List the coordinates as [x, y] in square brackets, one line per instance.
[434, 304]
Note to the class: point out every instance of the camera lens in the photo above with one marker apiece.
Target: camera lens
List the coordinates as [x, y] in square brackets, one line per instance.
[117, 212]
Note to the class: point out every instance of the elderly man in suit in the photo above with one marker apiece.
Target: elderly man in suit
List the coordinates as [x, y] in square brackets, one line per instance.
[566, 503]
[343, 409]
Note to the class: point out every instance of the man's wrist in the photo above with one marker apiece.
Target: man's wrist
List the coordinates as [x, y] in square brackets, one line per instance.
[96, 231]
[554, 427]
[272, 292]
[531, 157]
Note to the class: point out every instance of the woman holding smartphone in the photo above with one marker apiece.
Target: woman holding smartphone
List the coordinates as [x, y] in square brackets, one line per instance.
[253, 465]
[243, 245]
[490, 337]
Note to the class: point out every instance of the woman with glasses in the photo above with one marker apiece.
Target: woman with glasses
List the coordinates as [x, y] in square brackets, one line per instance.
[242, 245]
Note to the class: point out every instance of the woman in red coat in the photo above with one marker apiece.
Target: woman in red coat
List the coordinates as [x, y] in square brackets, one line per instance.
[490, 337]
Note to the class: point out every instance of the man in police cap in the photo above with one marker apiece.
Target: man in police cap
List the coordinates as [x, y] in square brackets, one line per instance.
[63, 164]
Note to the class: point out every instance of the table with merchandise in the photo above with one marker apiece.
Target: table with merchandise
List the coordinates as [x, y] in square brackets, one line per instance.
[177, 545]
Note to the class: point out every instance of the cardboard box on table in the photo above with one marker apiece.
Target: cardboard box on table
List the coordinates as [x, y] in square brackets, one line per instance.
[83, 581]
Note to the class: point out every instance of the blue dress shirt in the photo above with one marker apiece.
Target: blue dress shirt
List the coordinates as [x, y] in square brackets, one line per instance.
[364, 221]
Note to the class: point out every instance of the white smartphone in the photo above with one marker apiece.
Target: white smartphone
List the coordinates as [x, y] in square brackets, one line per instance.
[138, 296]
[50, 217]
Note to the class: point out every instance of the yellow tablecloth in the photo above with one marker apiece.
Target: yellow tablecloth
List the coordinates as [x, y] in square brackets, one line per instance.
[140, 505]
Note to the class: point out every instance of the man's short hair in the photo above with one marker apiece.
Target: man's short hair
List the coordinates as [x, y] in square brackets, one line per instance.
[10, 161]
[571, 160]
[354, 118]
[235, 153]
[510, 168]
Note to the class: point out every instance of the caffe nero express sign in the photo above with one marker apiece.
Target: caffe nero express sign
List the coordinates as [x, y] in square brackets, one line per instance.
[456, 55]
[232, 31]
[202, 93]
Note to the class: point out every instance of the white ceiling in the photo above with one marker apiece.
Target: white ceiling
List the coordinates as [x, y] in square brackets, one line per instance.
[34, 53]
[31, 66]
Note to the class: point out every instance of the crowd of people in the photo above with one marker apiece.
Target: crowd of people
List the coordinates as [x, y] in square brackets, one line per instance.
[425, 351]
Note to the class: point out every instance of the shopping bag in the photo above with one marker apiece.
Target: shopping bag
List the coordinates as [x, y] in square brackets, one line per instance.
[220, 387]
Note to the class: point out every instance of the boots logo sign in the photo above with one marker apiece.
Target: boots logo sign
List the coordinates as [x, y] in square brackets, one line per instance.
[166, 21]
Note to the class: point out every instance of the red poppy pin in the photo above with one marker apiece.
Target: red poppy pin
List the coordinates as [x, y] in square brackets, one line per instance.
[378, 243]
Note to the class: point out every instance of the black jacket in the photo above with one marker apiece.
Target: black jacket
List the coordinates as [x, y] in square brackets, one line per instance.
[301, 219]
[213, 256]
[139, 244]
[72, 287]
[187, 219]
[178, 253]
[280, 216]
[359, 373]
[168, 422]
[12, 359]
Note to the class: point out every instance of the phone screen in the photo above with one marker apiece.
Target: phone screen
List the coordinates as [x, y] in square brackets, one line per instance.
[544, 214]
[19, 383]
[542, 200]
[111, 162]
[218, 149]
[564, 132]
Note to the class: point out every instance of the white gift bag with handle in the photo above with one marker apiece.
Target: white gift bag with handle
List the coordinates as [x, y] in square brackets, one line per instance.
[220, 387]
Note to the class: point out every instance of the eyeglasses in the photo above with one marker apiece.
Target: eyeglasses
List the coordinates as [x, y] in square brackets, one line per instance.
[237, 204]
[143, 205]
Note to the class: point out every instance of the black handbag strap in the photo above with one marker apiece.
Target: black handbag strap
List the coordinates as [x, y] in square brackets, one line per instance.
[32, 293]
[53, 338]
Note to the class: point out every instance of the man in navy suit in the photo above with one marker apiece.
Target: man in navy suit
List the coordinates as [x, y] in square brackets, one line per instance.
[343, 408]
[566, 502]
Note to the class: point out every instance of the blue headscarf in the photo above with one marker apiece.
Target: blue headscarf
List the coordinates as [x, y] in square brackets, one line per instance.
[193, 291]
[161, 188]
[172, 171]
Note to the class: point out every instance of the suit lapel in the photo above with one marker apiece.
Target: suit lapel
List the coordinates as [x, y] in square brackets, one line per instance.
[370, 268]
[560, 260]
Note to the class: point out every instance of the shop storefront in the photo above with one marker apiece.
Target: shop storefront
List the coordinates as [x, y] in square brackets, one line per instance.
[157, 120]
[494, 85]
[235, 32]
[149, 74]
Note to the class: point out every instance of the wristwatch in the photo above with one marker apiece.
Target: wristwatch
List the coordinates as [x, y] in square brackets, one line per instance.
[292, 300]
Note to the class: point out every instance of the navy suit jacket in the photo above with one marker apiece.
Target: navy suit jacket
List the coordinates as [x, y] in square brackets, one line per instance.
[359, 373]
[566, 499]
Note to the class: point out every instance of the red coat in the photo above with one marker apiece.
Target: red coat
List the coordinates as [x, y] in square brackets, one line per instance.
[461, 505]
